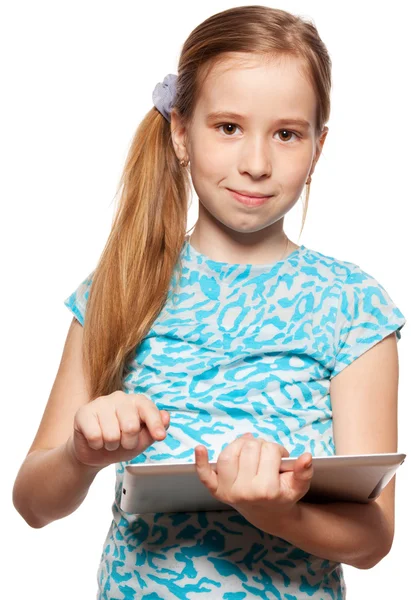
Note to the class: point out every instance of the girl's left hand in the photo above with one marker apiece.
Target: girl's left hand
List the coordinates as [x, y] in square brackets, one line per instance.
[248, 477]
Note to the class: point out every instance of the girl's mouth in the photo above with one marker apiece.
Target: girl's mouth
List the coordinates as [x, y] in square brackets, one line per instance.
[249, 200]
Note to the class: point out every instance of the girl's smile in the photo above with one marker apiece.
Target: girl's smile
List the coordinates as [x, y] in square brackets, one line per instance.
[249, 200]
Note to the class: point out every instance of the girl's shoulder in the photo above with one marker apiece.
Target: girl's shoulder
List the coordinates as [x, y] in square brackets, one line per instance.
[349, 282]
[77, 300]
[327, 267]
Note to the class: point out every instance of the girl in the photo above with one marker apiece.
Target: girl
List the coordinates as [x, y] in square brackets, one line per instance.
[241, 344]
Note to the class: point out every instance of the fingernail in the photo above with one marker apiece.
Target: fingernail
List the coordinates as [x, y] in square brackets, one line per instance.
[160, 431]
[308, 465]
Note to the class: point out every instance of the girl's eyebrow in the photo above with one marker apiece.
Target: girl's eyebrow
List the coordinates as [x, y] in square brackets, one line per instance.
[231, 115]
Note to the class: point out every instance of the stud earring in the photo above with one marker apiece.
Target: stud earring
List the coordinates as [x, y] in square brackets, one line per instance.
[184, 162]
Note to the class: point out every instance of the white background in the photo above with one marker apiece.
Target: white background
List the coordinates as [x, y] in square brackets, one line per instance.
[77, 78]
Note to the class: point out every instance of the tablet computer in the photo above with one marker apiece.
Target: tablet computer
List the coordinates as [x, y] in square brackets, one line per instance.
[175, 486]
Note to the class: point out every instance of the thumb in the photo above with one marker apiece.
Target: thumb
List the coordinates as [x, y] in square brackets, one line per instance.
[302, 476]
[165, 417]
[298, 481]
[303, 469]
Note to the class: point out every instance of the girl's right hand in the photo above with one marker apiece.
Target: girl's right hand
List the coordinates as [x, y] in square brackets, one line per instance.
[115, 428]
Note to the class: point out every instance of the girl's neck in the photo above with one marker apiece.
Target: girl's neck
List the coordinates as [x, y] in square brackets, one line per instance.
[287, 248]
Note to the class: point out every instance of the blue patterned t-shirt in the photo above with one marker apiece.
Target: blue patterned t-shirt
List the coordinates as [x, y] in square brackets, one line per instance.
[239, 348]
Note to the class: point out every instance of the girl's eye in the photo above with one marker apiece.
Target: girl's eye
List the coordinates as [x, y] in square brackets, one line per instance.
[287, 131]
[281, 131]
[227, 125]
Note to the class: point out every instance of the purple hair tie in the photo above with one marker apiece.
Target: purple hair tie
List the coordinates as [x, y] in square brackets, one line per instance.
[164, 95]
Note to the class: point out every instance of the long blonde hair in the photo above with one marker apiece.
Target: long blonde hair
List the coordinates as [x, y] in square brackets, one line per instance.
[131, 281]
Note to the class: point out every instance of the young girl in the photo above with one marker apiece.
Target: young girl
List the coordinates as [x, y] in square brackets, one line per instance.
[235, 330]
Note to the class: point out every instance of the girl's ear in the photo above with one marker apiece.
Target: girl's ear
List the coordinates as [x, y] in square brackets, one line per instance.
[178, 134]
[320, 144]
[322, 139]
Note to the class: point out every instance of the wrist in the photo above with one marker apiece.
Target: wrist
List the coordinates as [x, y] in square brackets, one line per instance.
[76, 463]
[289, 520]
[276, 521]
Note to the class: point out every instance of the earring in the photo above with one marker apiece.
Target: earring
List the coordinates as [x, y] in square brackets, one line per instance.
[184, 163]
[308, 181]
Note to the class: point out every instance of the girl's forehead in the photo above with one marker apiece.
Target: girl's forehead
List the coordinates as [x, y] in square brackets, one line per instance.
[243, 66]
[258, 85]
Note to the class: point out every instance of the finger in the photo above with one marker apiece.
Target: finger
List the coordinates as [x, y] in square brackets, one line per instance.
[129, 423]
[109, 426]
[269, 468]
[248, 463]
[88, 425]
[144, 437]
[227, 462]
[204, 470]
[151, 416]
[165, 418]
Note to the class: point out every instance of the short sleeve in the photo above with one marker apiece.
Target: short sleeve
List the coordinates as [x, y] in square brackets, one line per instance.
[77, 301]
[366, 314]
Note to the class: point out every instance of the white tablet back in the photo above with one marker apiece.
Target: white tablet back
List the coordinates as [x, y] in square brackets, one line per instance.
[175, 487]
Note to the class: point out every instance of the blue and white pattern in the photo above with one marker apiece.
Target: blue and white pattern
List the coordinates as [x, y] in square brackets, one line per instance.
[239, 348]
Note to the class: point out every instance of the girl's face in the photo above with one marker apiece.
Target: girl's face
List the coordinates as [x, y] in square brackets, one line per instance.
[259, 151]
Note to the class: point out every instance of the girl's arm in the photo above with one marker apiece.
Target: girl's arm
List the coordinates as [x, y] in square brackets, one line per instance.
[364, 402]
[356, 534]
[50, 485]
